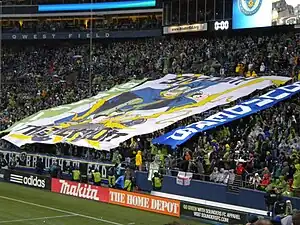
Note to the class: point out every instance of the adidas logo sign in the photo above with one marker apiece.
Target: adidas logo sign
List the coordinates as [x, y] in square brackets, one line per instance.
[29, 181]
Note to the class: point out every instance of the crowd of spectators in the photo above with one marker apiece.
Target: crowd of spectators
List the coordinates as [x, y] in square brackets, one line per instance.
[28, 72]
[45, 75]
[98, 24]
[263, 148]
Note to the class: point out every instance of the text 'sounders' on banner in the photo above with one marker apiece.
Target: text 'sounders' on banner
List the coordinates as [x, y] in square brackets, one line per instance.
[144, 202]
[182, 134]
[135, 108]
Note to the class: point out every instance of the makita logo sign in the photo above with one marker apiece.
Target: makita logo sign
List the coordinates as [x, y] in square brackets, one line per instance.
[32, 181]
[79, 190]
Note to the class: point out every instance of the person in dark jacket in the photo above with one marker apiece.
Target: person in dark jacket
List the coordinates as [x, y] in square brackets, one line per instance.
[3, 162]
[12, 162]
[39, 166]
[271, 198]
[112, 173]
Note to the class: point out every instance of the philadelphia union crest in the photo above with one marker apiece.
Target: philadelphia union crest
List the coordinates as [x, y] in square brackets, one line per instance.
[249, 7]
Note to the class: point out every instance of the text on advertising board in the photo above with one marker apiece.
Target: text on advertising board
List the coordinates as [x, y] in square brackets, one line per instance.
[81, 35]
[205, 212]
[28, 179]
[185, 28]
[221, 25]
[145, 202]
[80, 190]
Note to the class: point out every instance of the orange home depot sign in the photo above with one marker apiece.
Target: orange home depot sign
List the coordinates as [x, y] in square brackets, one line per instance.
[145, 202]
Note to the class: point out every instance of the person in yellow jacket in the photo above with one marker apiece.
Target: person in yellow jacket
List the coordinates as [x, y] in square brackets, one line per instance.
[96, 177]
[248, 74]
[157, 182]
[242, 69]
[237, 68]
[128, 185]
[253, 74]
[139, 160]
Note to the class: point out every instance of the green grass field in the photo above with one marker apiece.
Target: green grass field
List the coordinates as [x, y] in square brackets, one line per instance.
[28, 206]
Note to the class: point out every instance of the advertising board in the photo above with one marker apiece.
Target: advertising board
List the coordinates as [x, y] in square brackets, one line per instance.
[185, 28]
[262, 13]
[81, 35]
[117, 197]
[145, 202]
[110, 5]
[80, 190]
[30, 180]
[213, 214]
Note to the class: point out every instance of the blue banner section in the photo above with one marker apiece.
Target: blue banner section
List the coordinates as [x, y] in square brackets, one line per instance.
[97, 6]
[82, 35]
[254, 105]
[210, 191]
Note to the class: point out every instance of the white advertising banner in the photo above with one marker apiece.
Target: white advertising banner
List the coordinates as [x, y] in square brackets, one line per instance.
[185, 28]
[110, 119]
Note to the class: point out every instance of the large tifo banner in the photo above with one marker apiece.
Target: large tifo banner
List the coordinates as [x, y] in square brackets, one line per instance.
[112, 117]
[182, 134]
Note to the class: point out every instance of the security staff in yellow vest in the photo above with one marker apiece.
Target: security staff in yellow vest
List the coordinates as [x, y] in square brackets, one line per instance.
[128, 185]
[157, 182]
[76, 175]
[96, 175]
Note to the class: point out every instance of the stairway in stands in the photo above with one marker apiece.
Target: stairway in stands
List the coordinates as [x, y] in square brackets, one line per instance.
[236, 185]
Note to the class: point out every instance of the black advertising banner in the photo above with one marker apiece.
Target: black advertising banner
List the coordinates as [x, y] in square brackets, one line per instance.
[81, 35]
[19, 9]
[29, 180]
[214, 214]
[29, 162]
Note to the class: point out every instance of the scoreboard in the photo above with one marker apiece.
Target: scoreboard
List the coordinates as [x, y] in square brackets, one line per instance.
[262, 13]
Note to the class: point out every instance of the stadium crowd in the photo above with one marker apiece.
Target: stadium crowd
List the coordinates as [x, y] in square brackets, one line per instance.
[46, 75]
[28, 72]
[103, 24]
